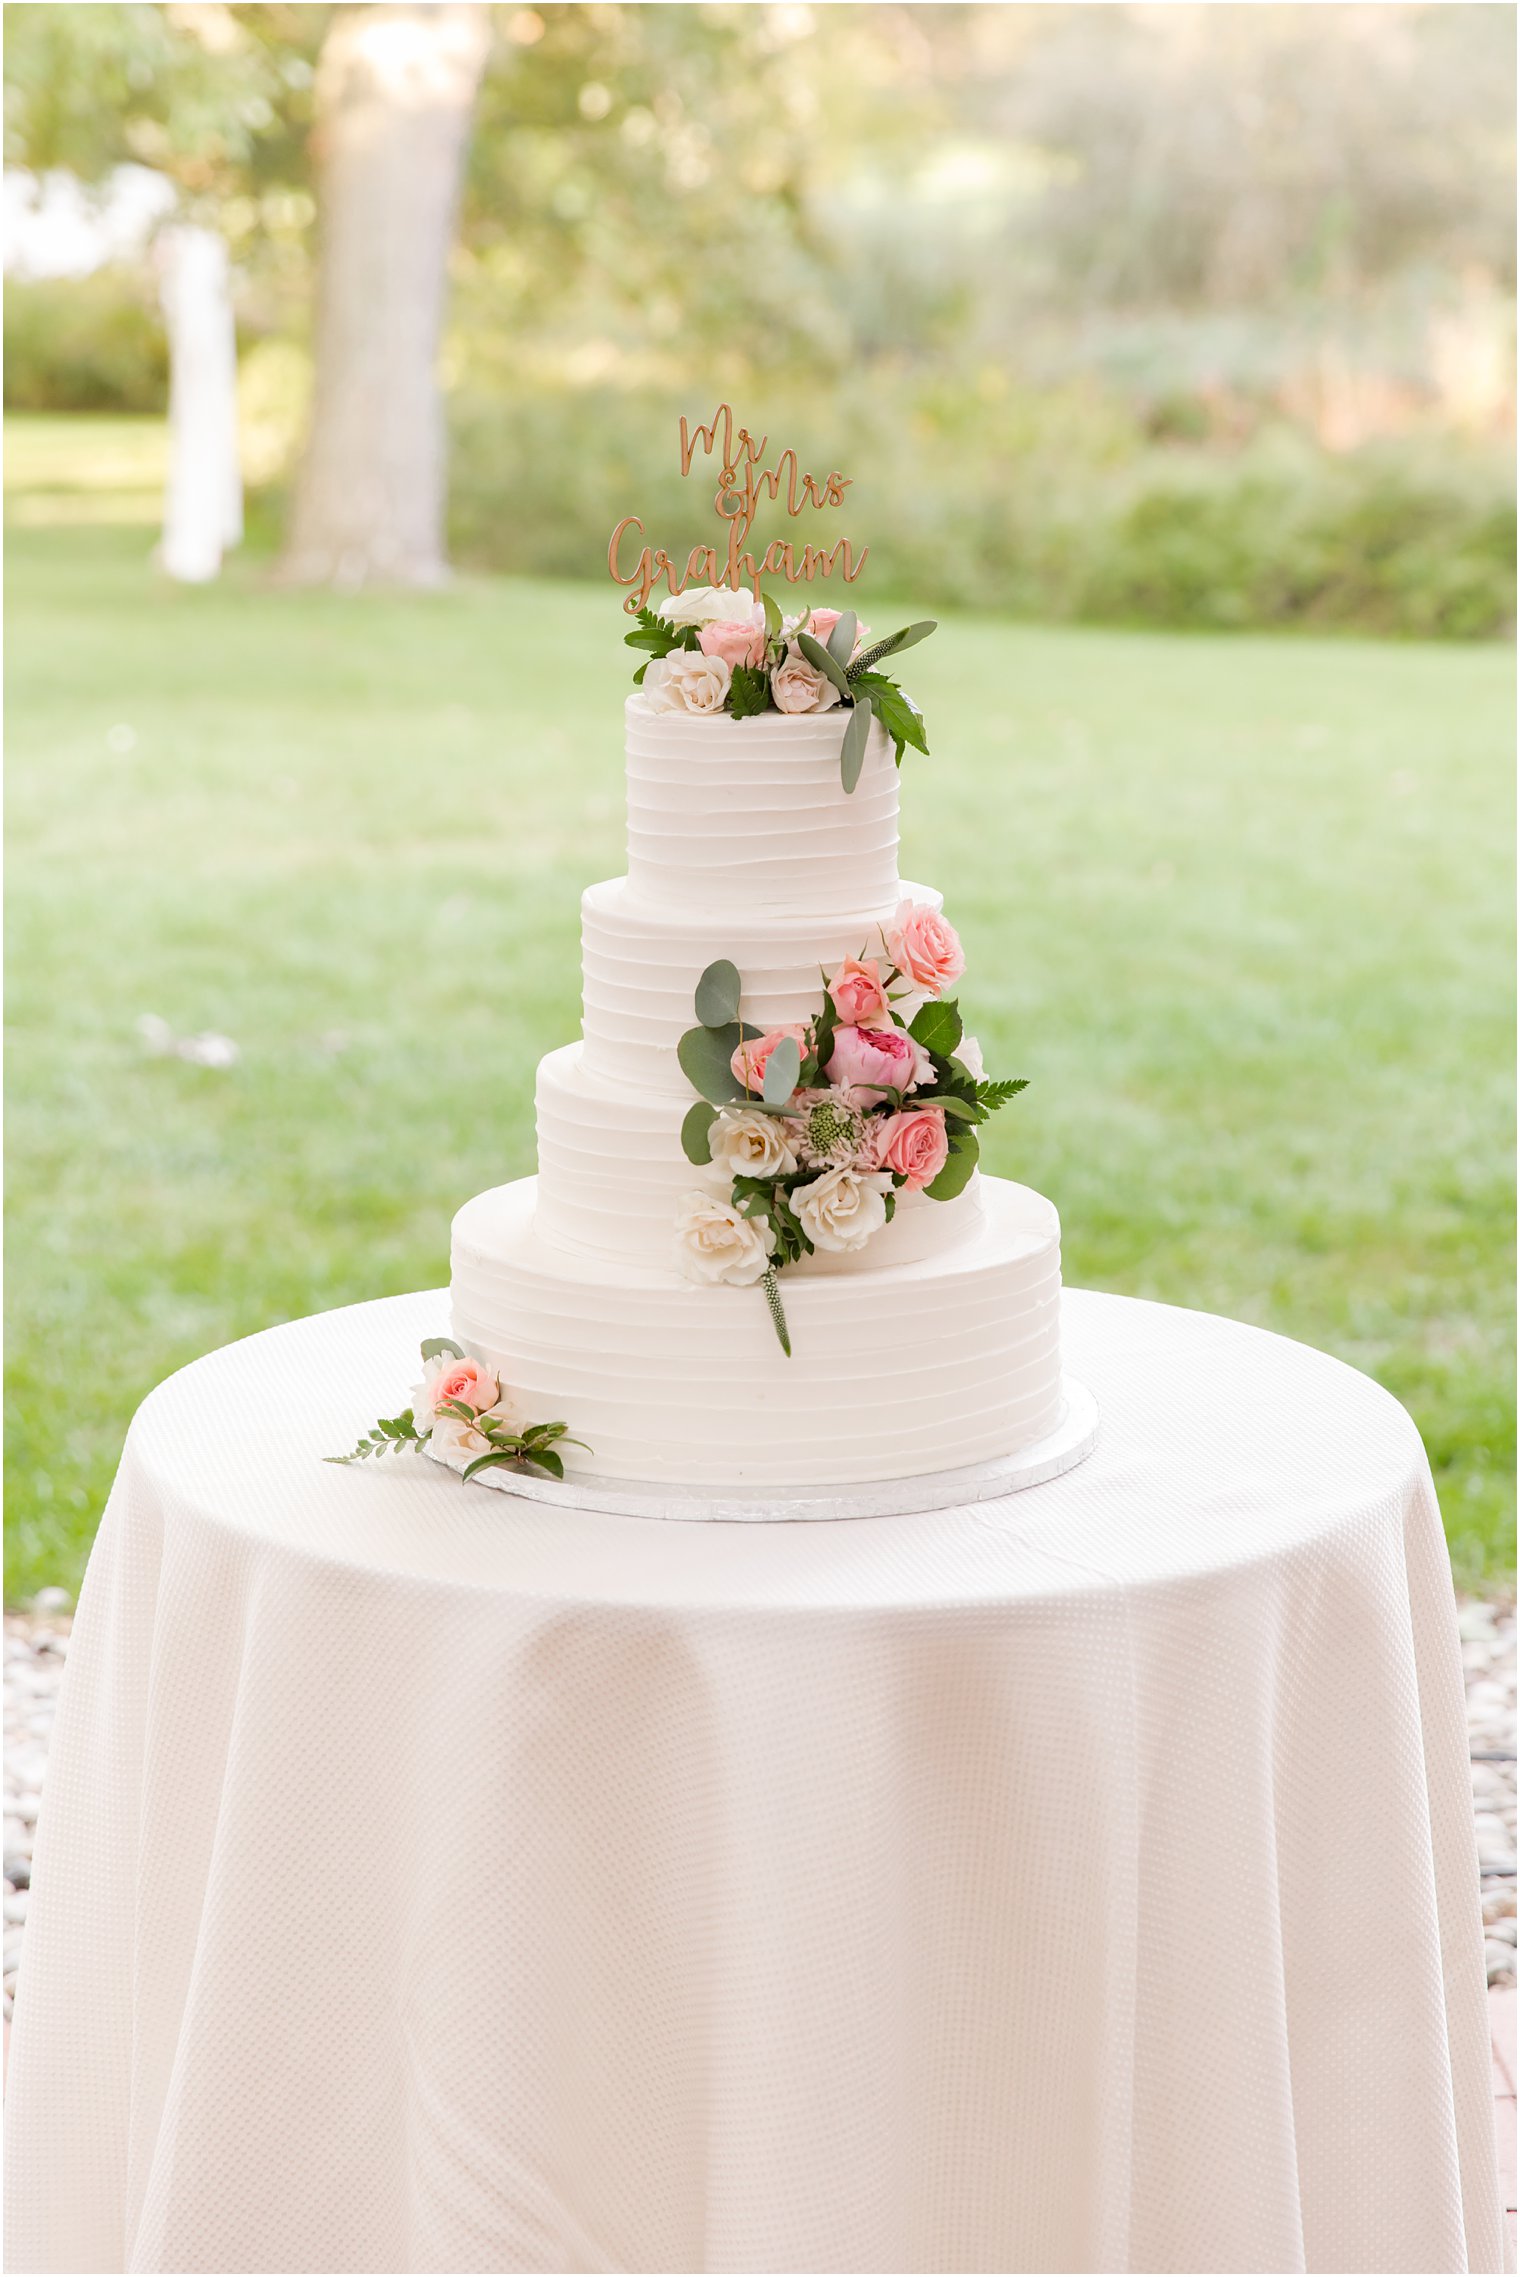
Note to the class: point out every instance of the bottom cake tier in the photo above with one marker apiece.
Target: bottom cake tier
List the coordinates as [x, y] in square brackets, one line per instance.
[896, 1371]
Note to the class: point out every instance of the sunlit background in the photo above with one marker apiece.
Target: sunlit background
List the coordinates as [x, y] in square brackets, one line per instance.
[1132, 325]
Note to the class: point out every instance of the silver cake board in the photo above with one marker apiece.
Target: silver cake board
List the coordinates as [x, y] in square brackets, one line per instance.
[1073, 1439]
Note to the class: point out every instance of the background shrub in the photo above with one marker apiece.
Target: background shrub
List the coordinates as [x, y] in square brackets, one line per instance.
[93, 343]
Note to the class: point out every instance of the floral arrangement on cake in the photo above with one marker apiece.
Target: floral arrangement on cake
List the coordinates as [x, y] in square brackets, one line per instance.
[815, 1129]
[462, 1415]
[711, 650]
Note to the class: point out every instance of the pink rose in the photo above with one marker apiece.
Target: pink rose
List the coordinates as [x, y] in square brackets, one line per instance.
[877, 1059]
[750, 1057]
[735, 644]
[465, 1381]
[914, 1144]
[925, 946]
[859, 998]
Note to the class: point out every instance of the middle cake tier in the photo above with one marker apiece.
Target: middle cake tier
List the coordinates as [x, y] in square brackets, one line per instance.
[641, 962]
[612, 1174]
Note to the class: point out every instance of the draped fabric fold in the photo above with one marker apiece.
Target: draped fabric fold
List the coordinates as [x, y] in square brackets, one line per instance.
[431, 1880]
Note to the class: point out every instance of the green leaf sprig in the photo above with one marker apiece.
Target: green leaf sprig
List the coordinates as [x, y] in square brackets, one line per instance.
[390, 1435]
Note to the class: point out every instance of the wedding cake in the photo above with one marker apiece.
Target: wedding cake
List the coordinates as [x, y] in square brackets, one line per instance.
[759, 1254]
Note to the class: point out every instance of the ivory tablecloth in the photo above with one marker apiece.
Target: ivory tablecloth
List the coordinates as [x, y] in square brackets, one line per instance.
[431, 1880]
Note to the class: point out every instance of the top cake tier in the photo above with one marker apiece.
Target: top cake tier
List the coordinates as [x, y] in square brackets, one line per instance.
[750, 816]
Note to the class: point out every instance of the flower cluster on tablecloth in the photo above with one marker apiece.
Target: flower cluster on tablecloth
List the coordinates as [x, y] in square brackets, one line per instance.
[463, 1415]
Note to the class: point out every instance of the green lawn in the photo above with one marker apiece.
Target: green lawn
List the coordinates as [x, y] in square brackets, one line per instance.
[1240, 907]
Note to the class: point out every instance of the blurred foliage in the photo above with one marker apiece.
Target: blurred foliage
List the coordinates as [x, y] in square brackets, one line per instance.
[1053, 505]
[84, 344]
[1189, 315]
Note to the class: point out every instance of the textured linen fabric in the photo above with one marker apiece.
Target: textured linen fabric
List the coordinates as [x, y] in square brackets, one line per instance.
[432, 1880]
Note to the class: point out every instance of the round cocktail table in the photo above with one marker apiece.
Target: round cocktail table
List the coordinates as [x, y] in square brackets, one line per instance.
[429, 1879]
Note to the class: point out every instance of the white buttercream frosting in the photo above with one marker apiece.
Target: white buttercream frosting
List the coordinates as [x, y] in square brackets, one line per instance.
[934, 1345]
[750, 815]
[898, 1368]
[641, 963]
[611, 1175]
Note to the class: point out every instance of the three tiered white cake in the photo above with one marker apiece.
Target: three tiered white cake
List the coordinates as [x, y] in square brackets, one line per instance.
[934, 1348]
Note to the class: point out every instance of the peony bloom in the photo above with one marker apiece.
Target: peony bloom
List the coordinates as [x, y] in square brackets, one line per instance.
[915, 1144]
[859, 998]
[797, 687]
[715, 1243]
[924, 946]
[467, 1383]
[877, 1060]
[687, 681]
[737, 644]
[711, 604]
[753, 1054]
[748, 1144]
[841, 1210]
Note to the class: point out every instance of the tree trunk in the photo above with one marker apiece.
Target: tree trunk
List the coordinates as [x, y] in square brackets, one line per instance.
[395, 91]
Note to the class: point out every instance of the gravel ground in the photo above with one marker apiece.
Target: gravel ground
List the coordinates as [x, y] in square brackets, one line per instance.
[37, 1643]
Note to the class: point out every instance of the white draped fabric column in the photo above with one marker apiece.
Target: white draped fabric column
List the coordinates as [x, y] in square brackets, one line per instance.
[203, 510]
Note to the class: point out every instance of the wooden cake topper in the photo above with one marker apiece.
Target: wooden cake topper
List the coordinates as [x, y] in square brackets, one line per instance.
[742, 482]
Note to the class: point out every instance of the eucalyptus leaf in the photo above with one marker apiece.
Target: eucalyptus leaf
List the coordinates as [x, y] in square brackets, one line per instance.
[956, 1175]
[718, 994]
[696, 1133]
[821, 661]
[704, 1054]
[436, 1347]
[781, 1072]
[937, 1026]
[852, 752]
[772, 609]
[841, 641]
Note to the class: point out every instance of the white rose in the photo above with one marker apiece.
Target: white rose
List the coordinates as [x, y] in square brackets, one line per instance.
[797, 687]
[714, 1243]
[747, 1144]
[687, 681]
[969, 1052]
[711, 605]
[457, 1443]
[844, 1208]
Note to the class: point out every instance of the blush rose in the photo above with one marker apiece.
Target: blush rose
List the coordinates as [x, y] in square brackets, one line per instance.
[858, 995]
[797, 687]
[914, 1144]
[736, 644]
[925, 946]
[751, 1057]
